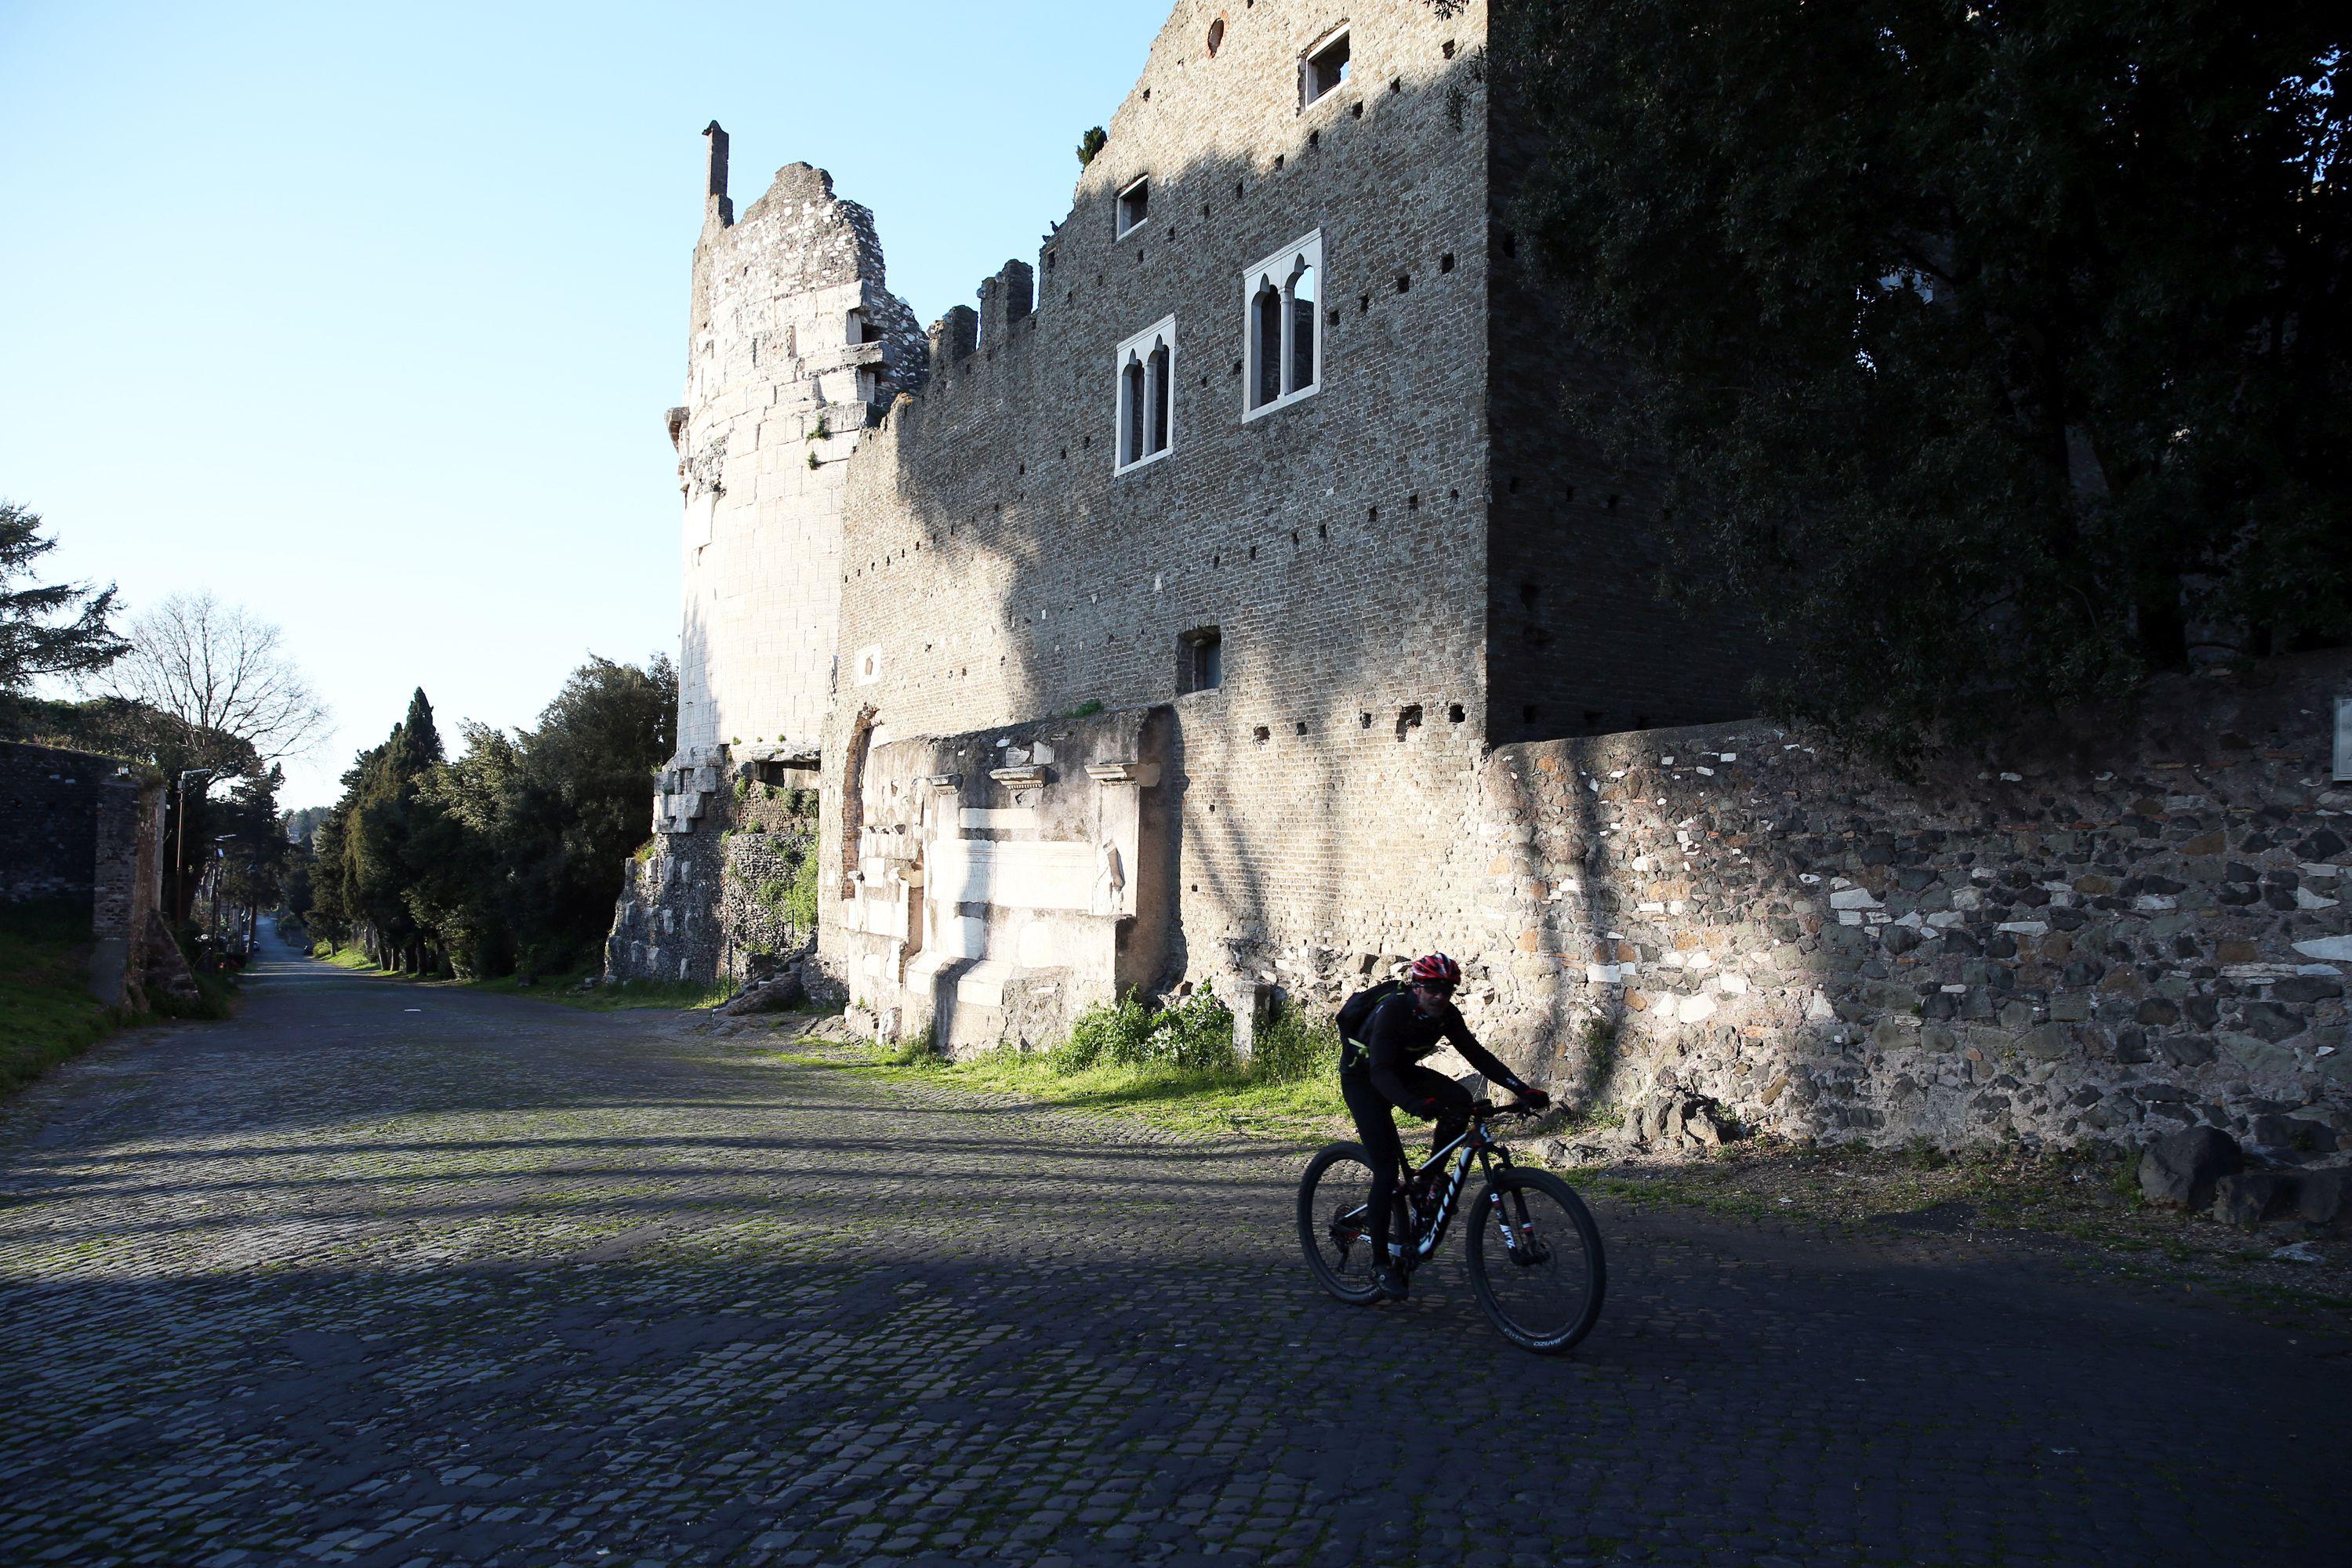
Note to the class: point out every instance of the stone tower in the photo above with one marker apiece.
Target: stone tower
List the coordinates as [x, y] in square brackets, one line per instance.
[794, 350]
[795, 346]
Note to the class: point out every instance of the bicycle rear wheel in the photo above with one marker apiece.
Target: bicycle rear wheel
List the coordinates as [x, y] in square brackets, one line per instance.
[1335, 1222]
[1536, 1261]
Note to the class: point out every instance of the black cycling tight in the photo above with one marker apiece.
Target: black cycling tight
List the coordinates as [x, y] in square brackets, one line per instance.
[1377, 1130]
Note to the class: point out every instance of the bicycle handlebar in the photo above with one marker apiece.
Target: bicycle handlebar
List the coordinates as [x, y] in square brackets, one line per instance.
[1516, 1107]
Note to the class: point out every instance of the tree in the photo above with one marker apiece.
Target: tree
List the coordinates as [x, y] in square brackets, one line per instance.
[56, 629]
[1995, 354]
[216, 669]
[585, 797]
[381, 864]
[510, 854]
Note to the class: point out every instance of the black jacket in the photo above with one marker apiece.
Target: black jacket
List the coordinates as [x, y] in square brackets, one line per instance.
[1397, 1036]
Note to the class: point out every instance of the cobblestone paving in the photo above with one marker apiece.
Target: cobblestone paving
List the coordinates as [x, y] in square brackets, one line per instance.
[378, 1275]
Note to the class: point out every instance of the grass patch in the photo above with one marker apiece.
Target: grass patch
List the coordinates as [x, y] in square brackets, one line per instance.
[47, 1012]
[1174, 1068]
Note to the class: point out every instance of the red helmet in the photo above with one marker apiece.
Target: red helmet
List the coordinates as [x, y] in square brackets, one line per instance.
[1437, 969]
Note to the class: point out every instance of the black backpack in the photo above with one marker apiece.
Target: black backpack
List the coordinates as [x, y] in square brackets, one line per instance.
[1356, 1012]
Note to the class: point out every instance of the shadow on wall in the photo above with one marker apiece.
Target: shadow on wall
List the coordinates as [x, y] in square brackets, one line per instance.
[1333, 550]
[2106, 933]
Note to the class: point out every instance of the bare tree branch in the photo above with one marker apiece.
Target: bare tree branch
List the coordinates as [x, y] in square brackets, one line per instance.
[216, 669]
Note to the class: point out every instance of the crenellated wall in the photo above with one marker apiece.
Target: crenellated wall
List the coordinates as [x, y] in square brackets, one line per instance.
[998, 569]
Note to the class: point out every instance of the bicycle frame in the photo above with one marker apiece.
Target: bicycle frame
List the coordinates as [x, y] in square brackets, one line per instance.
[1475, 1143]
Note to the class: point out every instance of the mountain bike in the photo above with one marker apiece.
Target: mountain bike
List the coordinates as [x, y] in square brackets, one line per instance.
[1534, 1252]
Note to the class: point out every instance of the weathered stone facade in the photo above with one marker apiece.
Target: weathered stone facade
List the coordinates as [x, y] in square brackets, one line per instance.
[796, 346]
[1297, 661]
[1006, 880]
[1000, 562]
[82, 829]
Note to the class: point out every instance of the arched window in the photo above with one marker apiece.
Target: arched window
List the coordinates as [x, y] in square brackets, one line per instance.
[1147, 396]
[1300, 373]
[1281, 336]
[1157, 370]
[1265, 344]
[1132, 400]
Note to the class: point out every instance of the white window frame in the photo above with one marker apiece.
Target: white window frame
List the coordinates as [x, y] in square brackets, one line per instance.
[1307, 66]
[1278, 269]
[1162, 332]
[1120, 227]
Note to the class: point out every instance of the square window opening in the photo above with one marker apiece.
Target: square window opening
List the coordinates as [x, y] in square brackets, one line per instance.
[1325, 68]
[1134, 206]
[1200, 660]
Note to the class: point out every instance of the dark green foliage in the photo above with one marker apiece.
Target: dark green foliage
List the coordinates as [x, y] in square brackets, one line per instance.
[1295, 1044]
[509, 856]
[1196, 1036]
[1995, 354]
[46, 629]
[1091, 143]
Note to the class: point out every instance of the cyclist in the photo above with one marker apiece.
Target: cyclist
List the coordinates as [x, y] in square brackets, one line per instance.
[1384, 1033]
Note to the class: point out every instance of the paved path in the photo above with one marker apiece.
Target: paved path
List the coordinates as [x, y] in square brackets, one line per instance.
[390, 1276]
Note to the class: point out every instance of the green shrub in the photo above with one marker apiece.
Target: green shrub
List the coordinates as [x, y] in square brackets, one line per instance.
[1119, 1033]
[1294, 1046]
[1194, 1035]
[800, 898]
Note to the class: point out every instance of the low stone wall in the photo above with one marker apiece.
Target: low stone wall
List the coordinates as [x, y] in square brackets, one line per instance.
[79, 828]
[2106, 934]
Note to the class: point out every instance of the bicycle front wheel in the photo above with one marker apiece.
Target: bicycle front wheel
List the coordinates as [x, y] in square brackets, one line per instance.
[1535, 1260]
[1335, 1222]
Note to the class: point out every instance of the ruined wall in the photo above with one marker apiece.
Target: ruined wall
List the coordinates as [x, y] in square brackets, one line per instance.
[2107, 934]
[794, 343]
[86, 829]
[997, 570]
[710, 901]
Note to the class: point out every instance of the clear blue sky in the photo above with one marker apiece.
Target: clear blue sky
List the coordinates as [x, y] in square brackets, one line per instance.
[365, 316]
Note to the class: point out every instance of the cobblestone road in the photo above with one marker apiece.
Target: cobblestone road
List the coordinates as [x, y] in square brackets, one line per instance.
[386, 1275]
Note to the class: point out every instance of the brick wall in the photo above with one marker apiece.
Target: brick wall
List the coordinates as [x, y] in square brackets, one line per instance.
[995, 569]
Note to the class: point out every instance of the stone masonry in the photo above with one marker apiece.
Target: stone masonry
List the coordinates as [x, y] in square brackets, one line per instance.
[1394, 639]
[2106, 936]
[85, 829]
[999, 562]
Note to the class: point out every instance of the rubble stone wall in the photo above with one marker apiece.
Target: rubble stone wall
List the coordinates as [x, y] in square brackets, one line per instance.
[796, 343]
[2104, 935]
[709, 903]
